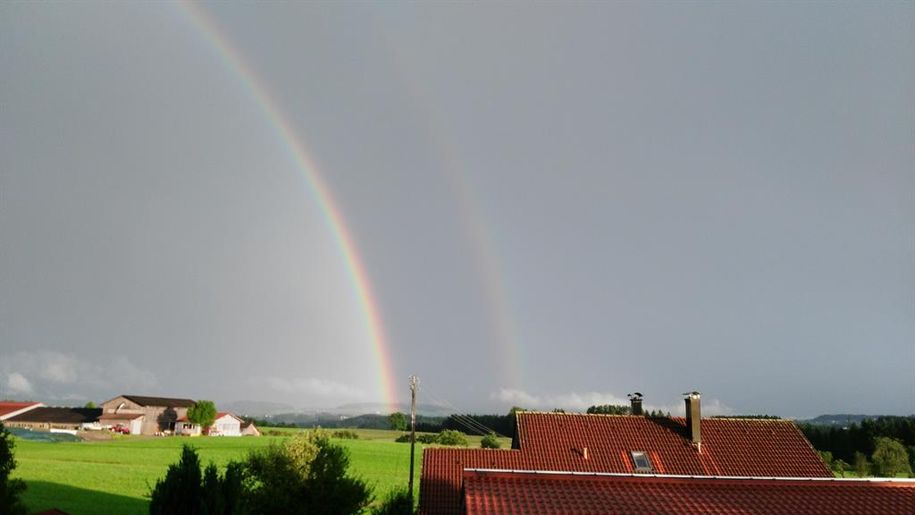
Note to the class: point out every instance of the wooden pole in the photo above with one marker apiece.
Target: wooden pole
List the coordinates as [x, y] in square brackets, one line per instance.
[412, 429]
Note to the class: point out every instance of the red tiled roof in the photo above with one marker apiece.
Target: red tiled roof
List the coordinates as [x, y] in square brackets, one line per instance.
[7, 408]
[730, 447]
[555, 441]
[495, 492]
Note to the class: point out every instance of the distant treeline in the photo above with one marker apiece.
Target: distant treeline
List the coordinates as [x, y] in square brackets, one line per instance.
[844, 442]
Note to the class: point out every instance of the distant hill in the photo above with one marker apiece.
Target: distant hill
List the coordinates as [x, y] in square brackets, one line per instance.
[843, 419]
[333, 420]
[258, 409]
[432, 410]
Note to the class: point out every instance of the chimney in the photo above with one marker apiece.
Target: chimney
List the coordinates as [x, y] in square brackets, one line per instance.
[635, 401]
[693, 419]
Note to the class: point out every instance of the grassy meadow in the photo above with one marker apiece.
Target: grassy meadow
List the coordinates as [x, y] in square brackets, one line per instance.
[115, 476]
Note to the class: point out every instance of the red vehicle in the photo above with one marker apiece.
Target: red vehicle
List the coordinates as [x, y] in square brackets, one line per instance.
[121, 429]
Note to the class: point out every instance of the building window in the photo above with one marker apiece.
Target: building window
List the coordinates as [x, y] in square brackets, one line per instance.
[641, 461]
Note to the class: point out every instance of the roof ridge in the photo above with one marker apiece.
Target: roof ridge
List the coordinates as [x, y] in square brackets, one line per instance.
[904, 480]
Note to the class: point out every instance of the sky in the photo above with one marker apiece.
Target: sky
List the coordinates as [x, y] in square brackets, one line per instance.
[544, 205]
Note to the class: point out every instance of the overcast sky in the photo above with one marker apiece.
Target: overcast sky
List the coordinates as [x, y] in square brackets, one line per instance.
[555, 204]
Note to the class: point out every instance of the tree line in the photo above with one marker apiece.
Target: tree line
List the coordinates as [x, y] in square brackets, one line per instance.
[884, 446]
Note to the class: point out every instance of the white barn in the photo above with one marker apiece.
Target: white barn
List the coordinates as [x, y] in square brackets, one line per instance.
[226, 424]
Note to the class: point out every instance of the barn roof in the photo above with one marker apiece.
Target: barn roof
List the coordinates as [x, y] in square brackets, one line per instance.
[510, 492]
[160, 401]
[59, 415]
[605, 443]
[9, 407]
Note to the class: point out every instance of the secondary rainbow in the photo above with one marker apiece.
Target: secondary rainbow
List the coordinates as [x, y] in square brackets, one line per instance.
[333, 218]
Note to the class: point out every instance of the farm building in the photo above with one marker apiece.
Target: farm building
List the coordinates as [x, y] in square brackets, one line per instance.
[493, 492]
[627, 444]
[47, 419]
[249, 429]
[9, 409]
[149, 415]
[226, 424]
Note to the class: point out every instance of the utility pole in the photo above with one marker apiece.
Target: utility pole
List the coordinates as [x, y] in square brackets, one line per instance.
[413, 382]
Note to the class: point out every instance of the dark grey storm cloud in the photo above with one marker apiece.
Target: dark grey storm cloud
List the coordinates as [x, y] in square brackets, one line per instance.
[555, 204]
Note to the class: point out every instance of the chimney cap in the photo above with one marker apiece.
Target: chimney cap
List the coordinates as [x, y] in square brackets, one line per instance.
[634, 395]
[692, 395]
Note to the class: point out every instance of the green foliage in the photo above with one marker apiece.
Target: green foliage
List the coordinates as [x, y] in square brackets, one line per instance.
[862, 466]
[845, 441]
[305, 476]
[490, 441]
[397, 421]
[826, 456]
[840, 467]
[80, 477]
[890, 458]
[90, 405]
[396, 502]
[185, 490]
[302, 449]
[10, 489]
[451, 437]
[609, 409]
[331, 489]
[346, 434]
[202, 413]
[426, 439]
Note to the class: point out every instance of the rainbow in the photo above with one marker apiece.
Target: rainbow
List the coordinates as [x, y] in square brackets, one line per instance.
[333, 217]
[485, 257]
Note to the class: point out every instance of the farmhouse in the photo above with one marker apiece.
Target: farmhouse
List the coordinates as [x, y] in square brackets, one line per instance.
[47, 419]
[627, 444]
[144, 415]
[226, 424]
[9, 409]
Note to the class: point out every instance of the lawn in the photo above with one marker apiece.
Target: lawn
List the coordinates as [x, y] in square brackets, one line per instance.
[115, 476]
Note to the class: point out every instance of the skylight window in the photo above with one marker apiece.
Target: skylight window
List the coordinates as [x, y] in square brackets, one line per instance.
[641, 461]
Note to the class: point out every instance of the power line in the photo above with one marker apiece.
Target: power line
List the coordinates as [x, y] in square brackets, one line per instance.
[465, 420]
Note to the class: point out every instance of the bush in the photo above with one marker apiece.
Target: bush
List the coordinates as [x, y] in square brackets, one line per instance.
[890, 458]
[346, 434]
[396, 502]
[862, 466]
[397, 421]
[426, 439]
[451, 437]
[10, 489]
[404, 438]
[307, 475]
[185, 490]
[490, 441]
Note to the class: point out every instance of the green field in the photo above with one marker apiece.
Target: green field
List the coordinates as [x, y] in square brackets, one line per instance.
[115, 476]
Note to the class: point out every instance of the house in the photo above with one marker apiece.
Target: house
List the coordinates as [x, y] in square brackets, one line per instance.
[627, 444]
[10, 409]
[144, 415]
[49, 419]
[493, 492]
[225, 424]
